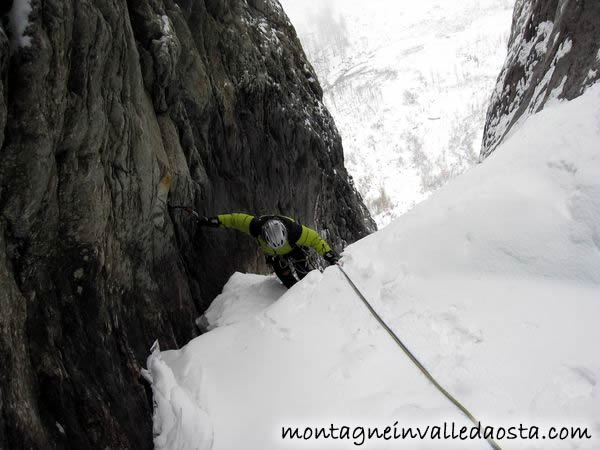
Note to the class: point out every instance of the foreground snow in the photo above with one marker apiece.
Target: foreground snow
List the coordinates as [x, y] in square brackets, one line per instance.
[494, 283]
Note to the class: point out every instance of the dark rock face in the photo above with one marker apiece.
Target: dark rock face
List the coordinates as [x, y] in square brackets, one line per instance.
[553, 54]
[108, 98]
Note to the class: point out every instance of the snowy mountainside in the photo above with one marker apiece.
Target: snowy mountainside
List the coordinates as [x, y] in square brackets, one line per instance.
[408, 84]
[493, 283]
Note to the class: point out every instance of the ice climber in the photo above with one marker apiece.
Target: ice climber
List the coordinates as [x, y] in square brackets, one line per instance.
[280, 238]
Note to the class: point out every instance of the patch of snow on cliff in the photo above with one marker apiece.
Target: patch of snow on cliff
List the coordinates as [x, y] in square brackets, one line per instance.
[565, 47]
[168, 38]
[166, 25]
[493, 283]
[542, 87]
[592, 75]
[18, 22]
[544, 31]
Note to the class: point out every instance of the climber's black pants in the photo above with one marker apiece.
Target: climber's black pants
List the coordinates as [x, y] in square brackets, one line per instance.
[282, 265]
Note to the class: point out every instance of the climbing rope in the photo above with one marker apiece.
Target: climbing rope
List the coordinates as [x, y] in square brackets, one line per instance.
[413, 358]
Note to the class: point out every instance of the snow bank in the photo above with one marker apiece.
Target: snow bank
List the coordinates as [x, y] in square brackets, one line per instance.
[244, 296]
[494, 283]
[179, 423]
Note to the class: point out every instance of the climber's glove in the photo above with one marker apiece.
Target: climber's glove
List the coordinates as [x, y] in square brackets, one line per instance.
[331, 257]
[209, 222]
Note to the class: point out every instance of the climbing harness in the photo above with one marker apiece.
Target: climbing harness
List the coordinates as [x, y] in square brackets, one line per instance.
[413, 358]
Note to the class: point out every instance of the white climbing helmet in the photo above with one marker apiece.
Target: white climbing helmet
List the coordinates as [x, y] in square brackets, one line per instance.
[275, 233]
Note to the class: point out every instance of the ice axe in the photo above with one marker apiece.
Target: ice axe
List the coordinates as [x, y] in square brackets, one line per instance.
[187, 209]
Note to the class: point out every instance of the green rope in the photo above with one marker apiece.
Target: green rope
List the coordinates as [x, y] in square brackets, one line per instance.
[413, 358]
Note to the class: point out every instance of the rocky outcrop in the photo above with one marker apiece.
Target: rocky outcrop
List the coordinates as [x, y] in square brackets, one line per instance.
[107, 99]
[553, 54]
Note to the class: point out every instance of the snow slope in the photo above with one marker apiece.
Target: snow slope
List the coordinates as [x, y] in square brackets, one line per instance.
[244, 295]
[408, 84]
[494, 283]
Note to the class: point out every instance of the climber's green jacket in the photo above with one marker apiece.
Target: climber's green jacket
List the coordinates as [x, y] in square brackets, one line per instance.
[298, 235]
